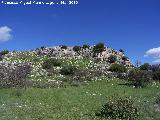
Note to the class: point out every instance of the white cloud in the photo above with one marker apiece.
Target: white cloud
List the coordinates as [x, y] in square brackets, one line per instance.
[154, 52]
[5, 34]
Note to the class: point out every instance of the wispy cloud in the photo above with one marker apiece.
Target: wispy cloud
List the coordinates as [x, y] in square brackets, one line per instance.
[5, 33]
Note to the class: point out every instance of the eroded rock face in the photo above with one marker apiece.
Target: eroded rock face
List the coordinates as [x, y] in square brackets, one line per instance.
[58, 52]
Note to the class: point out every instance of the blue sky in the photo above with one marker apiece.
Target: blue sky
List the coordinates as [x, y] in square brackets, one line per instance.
[133, 25]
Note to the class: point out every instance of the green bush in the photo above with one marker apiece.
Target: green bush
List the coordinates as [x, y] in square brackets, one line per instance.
[64, 47]
[42, 47]
[139, 78]
[76, 48]
[99, 48]
[49, 63]
[145, 66]
[156, 75]
[117, 68]
[112, 59]
[85, 46]
[124, 58]
[68, 70]
[4, 52]
[119, 108]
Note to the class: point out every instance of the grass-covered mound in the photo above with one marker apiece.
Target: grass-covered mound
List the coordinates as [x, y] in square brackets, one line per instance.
[75, 89]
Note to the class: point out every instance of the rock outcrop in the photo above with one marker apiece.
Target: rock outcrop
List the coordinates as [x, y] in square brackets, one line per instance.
[69, 53]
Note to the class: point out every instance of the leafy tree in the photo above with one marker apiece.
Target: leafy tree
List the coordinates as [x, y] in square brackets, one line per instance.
[140, 78]
[77, 48]
[124, 58]
[99, 48]
[117, 68]
[4, 52]
[85, 46]
[145, 66]
[68, 70]
[49, 63]
[64, 47]
[42, 48]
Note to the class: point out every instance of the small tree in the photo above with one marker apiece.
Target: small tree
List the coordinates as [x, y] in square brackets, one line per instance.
[117, 68]
[4, 52]
[49, 63]
[68, 70]
[42, 47]
[85, 46]
[139, 78]
[99, 48]
[145, 66]
[77, 48]
[112, 59]
[124, 58]
[64, 47]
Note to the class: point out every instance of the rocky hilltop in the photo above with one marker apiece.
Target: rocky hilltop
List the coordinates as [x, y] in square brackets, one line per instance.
[78, 52]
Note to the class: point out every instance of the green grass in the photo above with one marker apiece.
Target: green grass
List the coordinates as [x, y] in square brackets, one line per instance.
[73, 103]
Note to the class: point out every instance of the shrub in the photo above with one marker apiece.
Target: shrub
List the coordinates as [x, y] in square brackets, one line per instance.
[42, 47]
[86, 74]
[99, 48]
[145, 66]
[117, 68]
[4, 52]
[68, 70]
[49, 63]
[119, 108]
[124, 58]
[139, 78]
[76, 48]
[64, 47]
[112, 58]
[85, 46]
[14, 75]
[156, 75]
